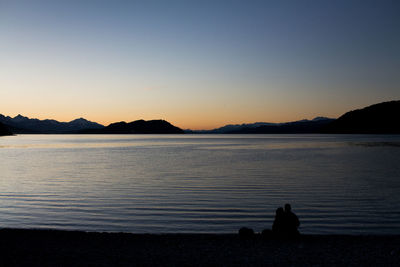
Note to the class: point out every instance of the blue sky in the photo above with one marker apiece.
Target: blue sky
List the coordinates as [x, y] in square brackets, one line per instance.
[198, 64]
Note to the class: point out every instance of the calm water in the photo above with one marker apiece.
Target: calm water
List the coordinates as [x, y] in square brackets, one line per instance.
[200, 183]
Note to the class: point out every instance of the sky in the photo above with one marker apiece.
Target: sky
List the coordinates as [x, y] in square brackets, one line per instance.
[197, 64]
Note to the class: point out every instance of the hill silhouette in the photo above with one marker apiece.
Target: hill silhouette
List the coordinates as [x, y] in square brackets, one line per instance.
[137, 127]
[382, 118]
[25, 125]
[296, 127]
[4, 130]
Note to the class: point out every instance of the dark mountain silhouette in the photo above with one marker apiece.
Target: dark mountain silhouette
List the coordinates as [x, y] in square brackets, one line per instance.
[25, 125]
[137, 127]
[4, 130]
[241, 127]
[297, 127]
[382, 118]
[21, 125]
[303, 126]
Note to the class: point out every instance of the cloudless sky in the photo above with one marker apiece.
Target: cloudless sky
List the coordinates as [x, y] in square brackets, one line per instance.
[197, 64]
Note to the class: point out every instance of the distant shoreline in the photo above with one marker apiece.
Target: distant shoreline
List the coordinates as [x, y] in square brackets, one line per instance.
[375, 119]
[24, 247]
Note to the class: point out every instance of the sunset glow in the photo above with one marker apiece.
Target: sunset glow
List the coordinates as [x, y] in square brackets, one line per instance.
[196, 64]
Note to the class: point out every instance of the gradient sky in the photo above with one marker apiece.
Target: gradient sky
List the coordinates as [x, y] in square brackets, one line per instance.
[197, 64]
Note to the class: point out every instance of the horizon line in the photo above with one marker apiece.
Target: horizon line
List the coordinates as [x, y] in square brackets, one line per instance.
[192, 129]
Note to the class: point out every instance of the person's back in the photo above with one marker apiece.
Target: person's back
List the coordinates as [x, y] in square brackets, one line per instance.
[278, 227]
[292, 222]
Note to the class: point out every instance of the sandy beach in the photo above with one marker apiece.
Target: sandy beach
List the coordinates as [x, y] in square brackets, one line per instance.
[72, 248]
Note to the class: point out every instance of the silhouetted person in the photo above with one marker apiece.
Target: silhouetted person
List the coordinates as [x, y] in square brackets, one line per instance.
[246, 233]
[291, 222]
[278, 227]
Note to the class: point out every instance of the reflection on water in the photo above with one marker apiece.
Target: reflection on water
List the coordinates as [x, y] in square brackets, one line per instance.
[372, 144]
[200, 183]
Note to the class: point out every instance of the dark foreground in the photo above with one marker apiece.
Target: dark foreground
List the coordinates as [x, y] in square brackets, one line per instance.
[64, 248]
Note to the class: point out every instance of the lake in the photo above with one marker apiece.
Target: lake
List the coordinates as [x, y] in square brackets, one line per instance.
[336, 184]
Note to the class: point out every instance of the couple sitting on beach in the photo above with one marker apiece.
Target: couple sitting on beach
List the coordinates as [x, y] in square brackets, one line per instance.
[285, 225]
[286, 222]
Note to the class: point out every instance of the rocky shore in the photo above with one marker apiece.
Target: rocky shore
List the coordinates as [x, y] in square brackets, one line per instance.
[68, 248]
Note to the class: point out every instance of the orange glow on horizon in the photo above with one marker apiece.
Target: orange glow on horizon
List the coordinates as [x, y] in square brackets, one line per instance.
[199, 123]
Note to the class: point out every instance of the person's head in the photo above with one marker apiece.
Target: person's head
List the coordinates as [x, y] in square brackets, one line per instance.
[279, 211]
[288, 208]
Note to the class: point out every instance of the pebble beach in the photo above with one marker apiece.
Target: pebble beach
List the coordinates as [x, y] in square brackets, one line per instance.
[22, 247]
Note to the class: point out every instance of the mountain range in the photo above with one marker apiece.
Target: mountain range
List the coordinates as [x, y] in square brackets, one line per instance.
[24, 125]
[382, 118]
[302, 126]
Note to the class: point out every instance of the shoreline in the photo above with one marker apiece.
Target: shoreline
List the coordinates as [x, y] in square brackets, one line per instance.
[35, 247]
